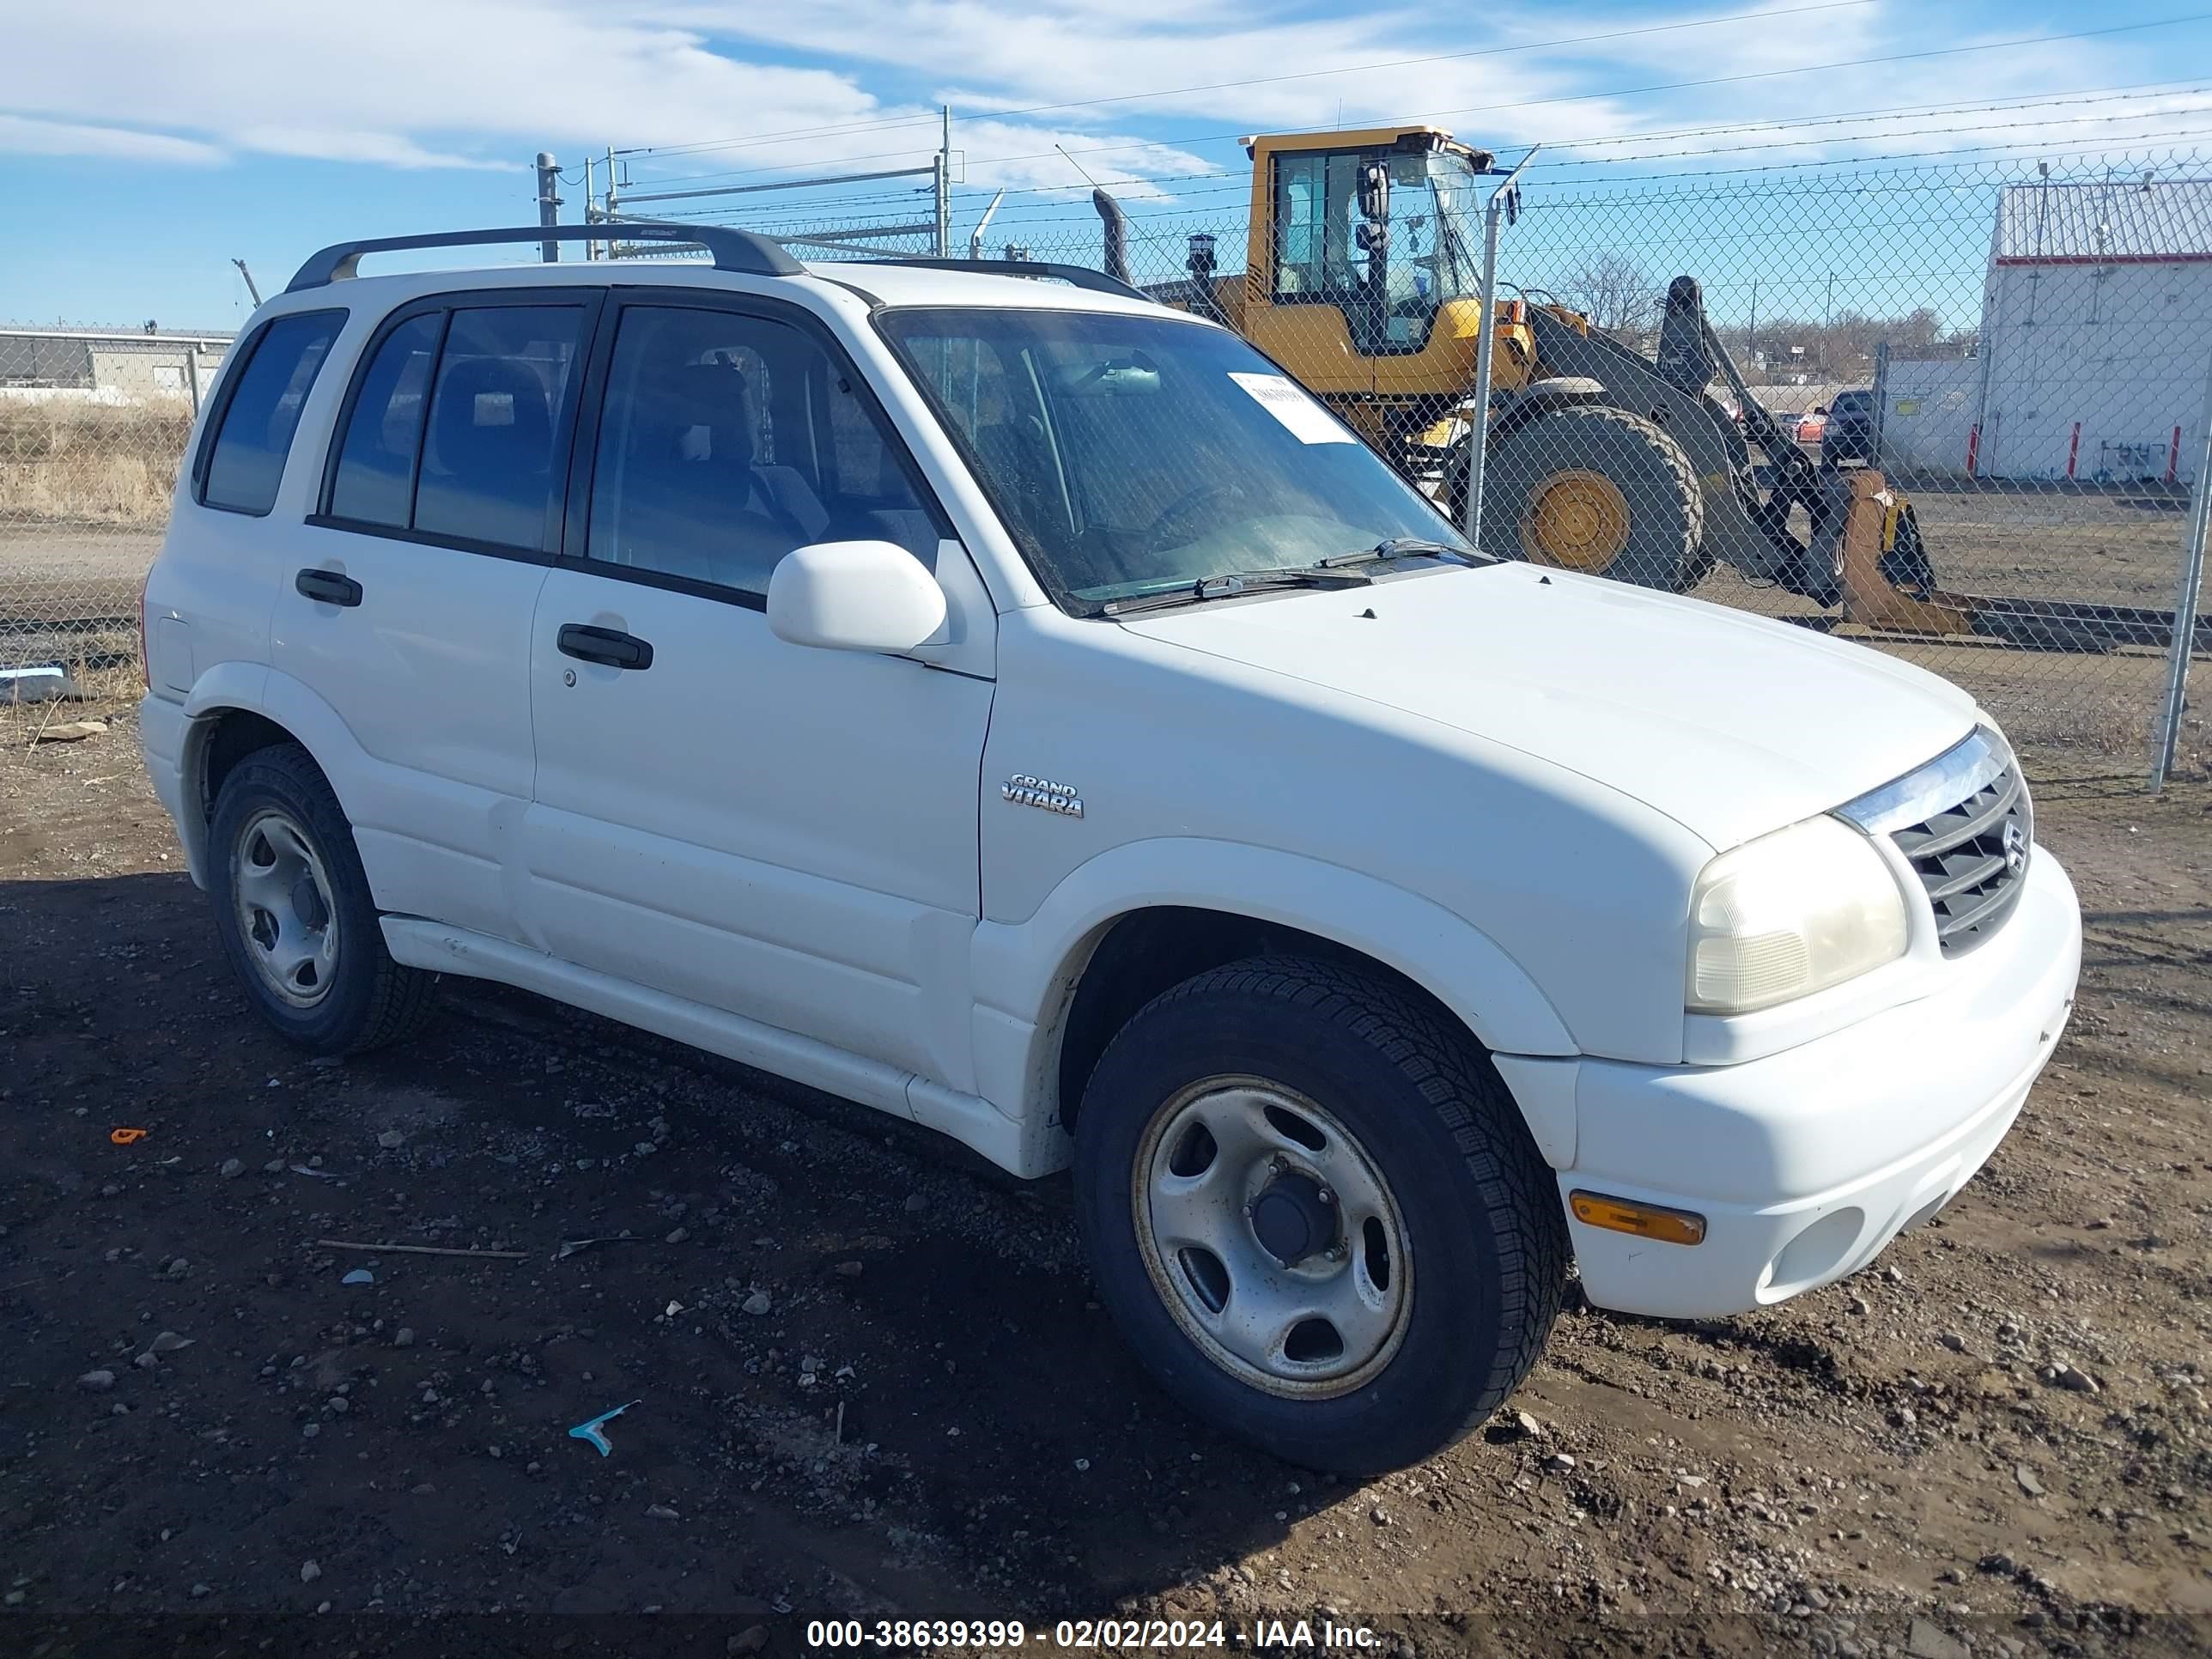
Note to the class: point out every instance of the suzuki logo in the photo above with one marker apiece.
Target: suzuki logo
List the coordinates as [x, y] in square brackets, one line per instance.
[2015, 848]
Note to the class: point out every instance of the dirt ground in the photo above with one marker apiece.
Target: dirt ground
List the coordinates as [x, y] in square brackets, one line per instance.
[869, 1380]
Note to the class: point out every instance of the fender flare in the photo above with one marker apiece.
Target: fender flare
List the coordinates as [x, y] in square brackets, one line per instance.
[256, 688]
[1025, 972]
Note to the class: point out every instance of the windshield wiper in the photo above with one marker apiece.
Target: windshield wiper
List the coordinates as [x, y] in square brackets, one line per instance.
[1394, 547]
[1228, 586]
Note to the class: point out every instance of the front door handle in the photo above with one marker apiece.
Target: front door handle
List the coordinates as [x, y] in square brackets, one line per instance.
[606, 646]
[328, 587]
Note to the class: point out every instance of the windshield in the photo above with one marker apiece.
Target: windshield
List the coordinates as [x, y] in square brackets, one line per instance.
[1129, 454]
[1428, 255]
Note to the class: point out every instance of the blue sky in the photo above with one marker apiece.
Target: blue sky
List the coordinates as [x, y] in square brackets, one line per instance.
[153, 142]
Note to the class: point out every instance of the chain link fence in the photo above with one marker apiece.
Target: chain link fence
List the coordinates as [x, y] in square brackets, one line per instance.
[93, 427]
[1954, 411]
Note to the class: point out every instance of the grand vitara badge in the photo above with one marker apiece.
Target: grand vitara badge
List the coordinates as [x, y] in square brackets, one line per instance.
[1025, 791]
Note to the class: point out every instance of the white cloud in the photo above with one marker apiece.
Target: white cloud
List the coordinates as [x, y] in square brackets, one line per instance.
[24, 136]
[466, 83]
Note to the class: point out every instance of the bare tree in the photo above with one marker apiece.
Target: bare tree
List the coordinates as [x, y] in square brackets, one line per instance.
[1614, 293]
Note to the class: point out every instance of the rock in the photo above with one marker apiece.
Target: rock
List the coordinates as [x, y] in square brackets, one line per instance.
[403, 1337]
[1954, 1341]
[359, 1276]
[751, 1639]
[756, 1304]
[1923, 1640]
[309, 1431]
[71, 731]
[168, 1342]
[391, 1139]
[1379, 1516]
[662, 1512]
[1559, 1462]
[2001, 1565]
[274, 1166]
[309, 1572]
[198, 1590]
[2079, 1381]
[146, 1361]
[1526, 1425]
[231, 1169]
[848, 1270]
[915, 1202]
[645, 1149]
[678, 1235]
[2028, 1483]
[96, 1381]
[1858, 1305]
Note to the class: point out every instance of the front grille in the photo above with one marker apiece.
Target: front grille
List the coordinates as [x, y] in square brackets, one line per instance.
[1973, 858]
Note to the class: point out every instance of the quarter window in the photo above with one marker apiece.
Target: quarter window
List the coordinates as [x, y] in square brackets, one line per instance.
[487, 471]
[726, 440]
[245, 462]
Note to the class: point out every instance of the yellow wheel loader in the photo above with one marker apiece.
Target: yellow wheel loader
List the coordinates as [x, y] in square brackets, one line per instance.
[1363, 278]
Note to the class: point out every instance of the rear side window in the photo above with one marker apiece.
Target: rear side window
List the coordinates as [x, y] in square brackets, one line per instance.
[246, 461]
[488, 472]
[375, 477]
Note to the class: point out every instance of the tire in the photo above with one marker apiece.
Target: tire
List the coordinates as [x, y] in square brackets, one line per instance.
[332, 988]
[1595, 489]
[1448, 1214]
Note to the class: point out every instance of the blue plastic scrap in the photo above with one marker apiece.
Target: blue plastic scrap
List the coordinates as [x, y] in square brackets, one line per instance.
[590, 1430]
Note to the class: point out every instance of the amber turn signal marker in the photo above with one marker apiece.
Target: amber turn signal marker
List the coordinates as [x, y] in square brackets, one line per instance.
[1619, 1215]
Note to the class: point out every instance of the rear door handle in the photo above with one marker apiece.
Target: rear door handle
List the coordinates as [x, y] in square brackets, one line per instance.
[604, 646]
[328, 587]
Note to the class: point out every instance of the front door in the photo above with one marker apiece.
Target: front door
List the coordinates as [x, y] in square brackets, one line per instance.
[785, 833]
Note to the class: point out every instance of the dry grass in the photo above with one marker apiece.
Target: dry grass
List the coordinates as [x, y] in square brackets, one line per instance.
[86, 465]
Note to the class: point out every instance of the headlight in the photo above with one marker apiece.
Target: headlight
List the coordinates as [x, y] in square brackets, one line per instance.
[1788, 914]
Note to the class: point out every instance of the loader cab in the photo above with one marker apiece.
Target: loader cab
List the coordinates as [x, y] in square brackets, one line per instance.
[1362, 274]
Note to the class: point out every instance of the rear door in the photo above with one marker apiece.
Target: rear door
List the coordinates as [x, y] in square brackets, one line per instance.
[417, 576]
[785, 833]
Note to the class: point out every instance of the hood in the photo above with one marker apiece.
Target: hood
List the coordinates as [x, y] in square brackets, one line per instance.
[1730, 724]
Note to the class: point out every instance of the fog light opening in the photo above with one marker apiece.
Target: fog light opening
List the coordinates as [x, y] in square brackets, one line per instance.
[1624, 1215]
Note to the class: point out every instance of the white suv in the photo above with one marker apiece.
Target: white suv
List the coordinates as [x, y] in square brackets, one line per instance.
[1014, 705]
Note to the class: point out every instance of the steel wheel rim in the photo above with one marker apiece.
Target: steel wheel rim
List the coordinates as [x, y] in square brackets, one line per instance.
[1578, 519]
[1315, 1328]
[281, 895]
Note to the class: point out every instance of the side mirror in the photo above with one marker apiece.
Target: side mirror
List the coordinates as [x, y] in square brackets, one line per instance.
[855, 596]
[1375, 190]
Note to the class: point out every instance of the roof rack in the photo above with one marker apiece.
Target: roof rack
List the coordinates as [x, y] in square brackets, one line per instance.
[1075, 276]
[732, 250]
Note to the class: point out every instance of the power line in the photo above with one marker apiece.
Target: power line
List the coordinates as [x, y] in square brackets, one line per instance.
[706, 145]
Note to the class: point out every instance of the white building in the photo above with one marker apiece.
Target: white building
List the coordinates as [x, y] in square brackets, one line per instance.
[82, 364]
[2096, 332]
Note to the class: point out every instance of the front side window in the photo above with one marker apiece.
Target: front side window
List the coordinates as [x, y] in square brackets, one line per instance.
[1128, 454]
[246, 460]
[726, 440]
[487, 472]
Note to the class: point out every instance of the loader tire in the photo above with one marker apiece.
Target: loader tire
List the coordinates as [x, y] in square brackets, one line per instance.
[1595, 489]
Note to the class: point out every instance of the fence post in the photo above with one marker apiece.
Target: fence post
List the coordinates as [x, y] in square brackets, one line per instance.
[2185, 601]
[1881, 396]
[193, 373]
[1504, 197]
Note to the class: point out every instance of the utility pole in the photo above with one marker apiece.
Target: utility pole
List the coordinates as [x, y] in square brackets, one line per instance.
[588, 209]
[945, 183]
[548, 204]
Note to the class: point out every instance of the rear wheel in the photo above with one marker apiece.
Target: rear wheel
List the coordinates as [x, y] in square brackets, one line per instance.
[1316, 1212]
[1595, 489]
[293, 909]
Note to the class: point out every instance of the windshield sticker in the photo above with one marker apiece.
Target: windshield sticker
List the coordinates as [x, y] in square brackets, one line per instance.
[1306, 420]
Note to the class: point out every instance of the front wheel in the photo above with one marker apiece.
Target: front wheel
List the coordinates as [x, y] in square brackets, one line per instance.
[1314, 1210]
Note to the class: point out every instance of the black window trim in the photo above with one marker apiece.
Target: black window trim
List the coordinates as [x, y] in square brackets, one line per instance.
[568, 417]
[226, 387]
[584, 450]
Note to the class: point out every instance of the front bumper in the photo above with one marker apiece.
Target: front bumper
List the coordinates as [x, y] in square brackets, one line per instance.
[1806, 1163]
